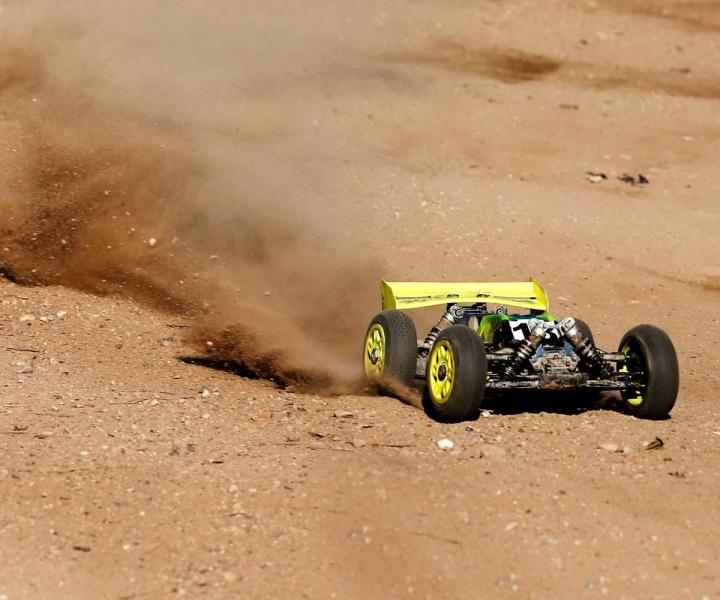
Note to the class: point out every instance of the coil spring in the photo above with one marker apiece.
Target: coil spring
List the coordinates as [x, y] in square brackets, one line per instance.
[526, 349]
[584, 348]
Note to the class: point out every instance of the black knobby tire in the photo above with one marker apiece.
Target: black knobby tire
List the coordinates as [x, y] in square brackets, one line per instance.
[400, 360]
[470, 374]
[584, 328]
[650, 350]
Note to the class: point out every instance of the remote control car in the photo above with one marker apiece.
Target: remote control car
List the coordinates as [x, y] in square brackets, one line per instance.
[473, 349]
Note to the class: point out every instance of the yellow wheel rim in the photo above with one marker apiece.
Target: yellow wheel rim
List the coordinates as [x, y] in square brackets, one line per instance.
[375, 349]
[638, 400]
[441, 375]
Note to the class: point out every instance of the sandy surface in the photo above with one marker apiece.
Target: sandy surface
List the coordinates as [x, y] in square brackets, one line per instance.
[429, 140]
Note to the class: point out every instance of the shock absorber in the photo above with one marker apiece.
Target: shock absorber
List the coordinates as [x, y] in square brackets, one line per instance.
[584, 348]
[526, 349]
[446, 320]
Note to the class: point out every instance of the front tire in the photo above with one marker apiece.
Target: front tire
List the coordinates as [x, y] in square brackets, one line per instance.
[456, 374]
[650, 351]
[390, 349]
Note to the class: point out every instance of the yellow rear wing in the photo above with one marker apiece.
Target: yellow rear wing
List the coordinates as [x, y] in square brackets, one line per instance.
[415, 294]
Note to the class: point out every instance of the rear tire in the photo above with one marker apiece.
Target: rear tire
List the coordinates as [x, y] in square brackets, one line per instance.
[456, 374]
[390, 350]
[650, 350]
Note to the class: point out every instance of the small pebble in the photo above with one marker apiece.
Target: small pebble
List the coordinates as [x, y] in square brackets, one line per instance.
[654, 444]
[445, 444]
[24, 367]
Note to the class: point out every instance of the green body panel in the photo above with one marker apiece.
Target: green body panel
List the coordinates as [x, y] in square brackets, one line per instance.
[488, 326]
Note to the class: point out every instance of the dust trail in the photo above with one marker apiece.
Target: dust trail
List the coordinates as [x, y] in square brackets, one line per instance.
[138, 192]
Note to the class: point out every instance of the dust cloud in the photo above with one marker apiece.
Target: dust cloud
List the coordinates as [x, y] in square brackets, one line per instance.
[141, 158]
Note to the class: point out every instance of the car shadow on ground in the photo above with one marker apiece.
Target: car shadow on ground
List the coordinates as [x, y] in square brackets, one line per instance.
[562, 403]
[534, 402]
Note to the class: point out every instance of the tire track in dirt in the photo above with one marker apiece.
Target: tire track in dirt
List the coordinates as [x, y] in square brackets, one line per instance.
[514, 66]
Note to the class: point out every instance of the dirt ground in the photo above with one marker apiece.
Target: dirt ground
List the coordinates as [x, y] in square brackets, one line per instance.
[430, 140]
